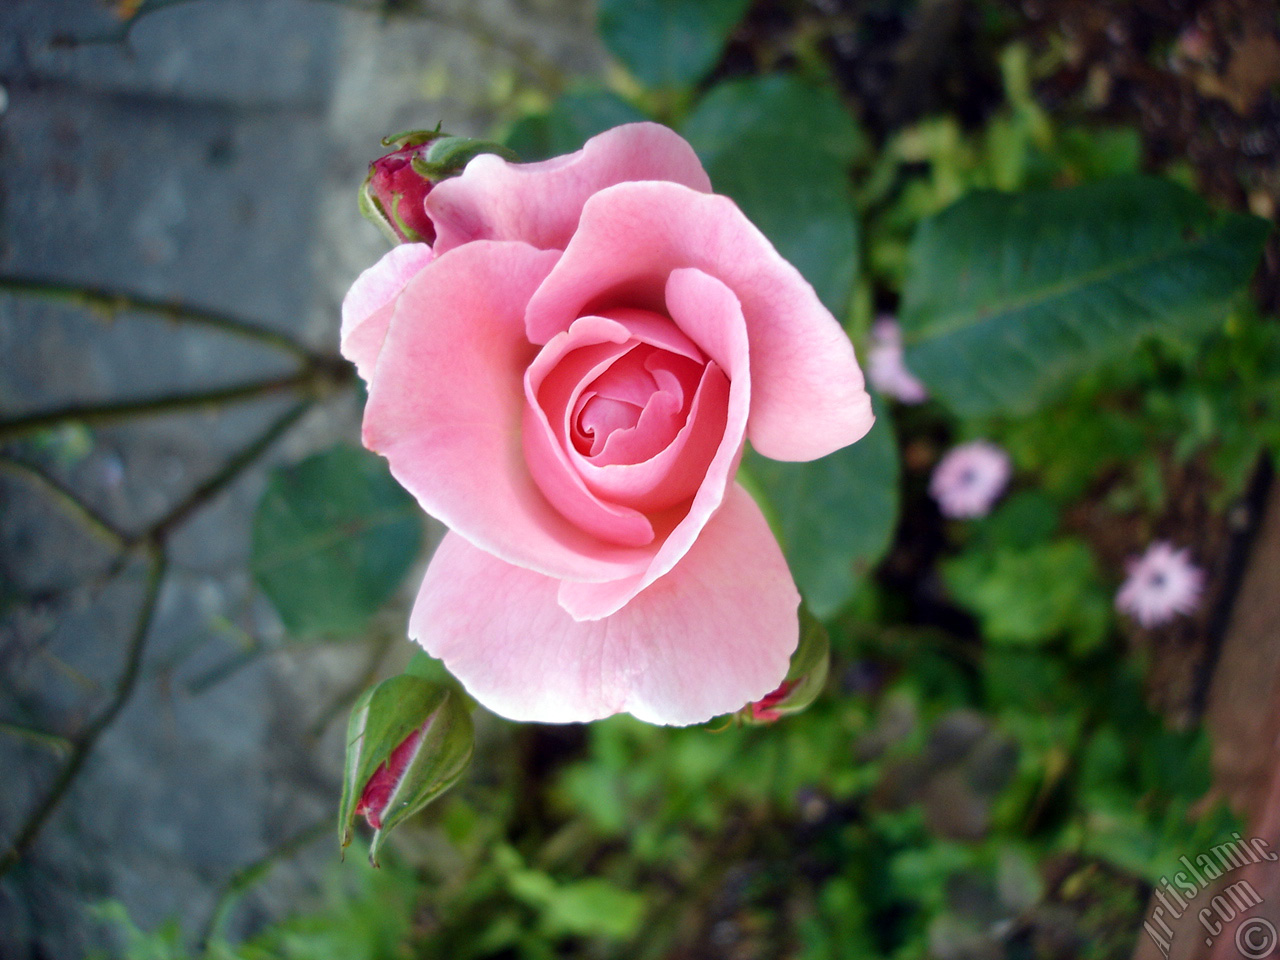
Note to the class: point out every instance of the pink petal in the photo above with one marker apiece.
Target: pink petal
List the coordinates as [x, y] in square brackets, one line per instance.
[676, 473]
[367, 307]
[809, 398]
[668, 380]
[539, 203]
[601, 417]
[714, 634]
[445, 409]
[708, 311]
[565, 367]
[551, 383]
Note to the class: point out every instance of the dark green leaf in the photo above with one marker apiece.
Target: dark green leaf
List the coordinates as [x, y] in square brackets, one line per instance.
[1025, 519]
[1010, 296]
[781, 148]
[803, 116]
[668, 43]
[835, 516]
[572, 120]
[332, 539]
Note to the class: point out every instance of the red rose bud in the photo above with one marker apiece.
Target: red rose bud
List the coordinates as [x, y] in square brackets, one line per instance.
[377, 792]
[408, 741]
[394, 194]
[764, 711]
[804, 681]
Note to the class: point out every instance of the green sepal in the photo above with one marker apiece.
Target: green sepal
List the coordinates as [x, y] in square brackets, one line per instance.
[412, 138]
[372, 210]
[810, 665]
[447, 156]
[381, 719]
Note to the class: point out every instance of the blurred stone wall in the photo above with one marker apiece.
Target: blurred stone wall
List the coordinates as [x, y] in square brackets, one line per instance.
[211, 159]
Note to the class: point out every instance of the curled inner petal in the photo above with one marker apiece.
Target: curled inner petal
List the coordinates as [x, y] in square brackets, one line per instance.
[610, 394]
[635, 409]
[596, 418]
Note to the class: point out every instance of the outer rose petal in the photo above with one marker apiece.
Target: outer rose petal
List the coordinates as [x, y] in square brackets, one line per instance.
[539, 203]
[715, 633]
[367, 307]
[445, 409]
[808, 395]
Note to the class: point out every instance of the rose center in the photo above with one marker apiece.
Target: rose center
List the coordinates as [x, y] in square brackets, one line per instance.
[635, 408]
[597, 419]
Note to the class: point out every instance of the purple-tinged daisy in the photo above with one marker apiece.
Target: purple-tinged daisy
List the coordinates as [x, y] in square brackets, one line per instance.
[1162, 583]
[969, 479]
[886, 369]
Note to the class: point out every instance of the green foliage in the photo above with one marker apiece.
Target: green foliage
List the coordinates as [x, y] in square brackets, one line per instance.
[835, 516]
[588, 907]
[166, 942]
[1139, 784]
[364, 914]
[572, 119]
[1030, 597]
[927, 167]
[668, 44]
[1025, 587]
[782, 148]
[1165, 404]
[333, 537]
[1011, 296]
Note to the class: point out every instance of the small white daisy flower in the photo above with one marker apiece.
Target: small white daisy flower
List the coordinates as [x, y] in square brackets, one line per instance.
[1162, 583]
[885, 367]
[969, 479]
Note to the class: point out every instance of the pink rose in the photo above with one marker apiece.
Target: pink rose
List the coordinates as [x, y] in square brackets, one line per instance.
[566, 379]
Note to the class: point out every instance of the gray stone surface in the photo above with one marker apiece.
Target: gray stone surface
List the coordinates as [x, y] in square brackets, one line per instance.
[162, 198]
[249, 54]
[213, 160]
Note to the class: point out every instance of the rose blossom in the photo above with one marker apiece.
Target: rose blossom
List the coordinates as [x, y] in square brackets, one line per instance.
[969, 479]
[566, 378]
[1162, 583]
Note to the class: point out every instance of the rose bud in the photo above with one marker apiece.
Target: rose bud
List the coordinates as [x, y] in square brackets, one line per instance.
[408, 741]
[394, 194]
[804, 680]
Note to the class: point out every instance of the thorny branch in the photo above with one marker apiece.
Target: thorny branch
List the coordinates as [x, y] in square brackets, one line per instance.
[83, 744]
[232, 469]
[111, 302]
[67, 500]
[314, 380]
